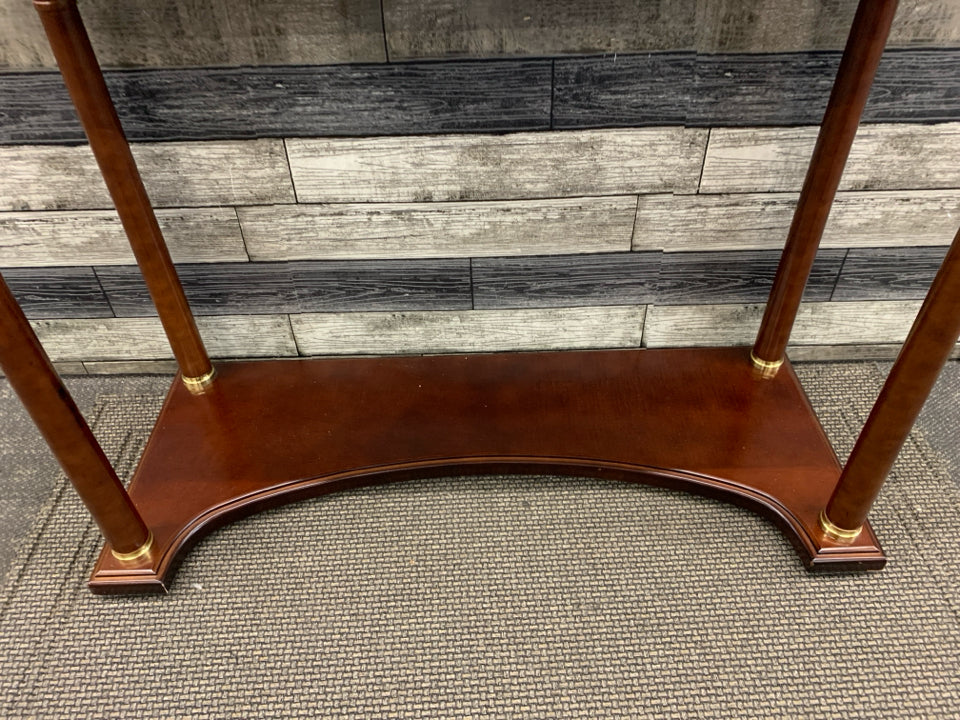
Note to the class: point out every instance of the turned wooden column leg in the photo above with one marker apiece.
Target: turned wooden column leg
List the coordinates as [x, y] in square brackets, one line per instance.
[82, 76]
[33, 378]
[931, 339]
[861, 57]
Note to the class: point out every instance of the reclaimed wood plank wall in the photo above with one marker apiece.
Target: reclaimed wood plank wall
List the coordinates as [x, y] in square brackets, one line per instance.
[475, 175]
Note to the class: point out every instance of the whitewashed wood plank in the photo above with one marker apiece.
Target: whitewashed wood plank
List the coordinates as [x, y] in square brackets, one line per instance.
[468, 331]
[826, 323]
[883, 157]
[834, 353]
[758, 221]
[131, 367]
[180, 174]
[497, 167]
[96, 237]
[143, 338]
[418, 230]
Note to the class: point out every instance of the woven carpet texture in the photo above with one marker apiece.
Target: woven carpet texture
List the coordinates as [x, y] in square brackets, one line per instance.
[492, 597]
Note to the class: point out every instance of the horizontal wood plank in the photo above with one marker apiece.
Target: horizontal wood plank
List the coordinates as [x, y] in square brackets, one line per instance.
[418, 230]
[57, 292]
[95, 237]
[500, 167]
[820, 323]
[131, 367]
[205, 32]
[566, 280]
[143, 338]
[174, 174]
[759, 221]
[308, 286]
[275, 102]
[496, 28]
[469, 331]
[889, 273]
[883, 157]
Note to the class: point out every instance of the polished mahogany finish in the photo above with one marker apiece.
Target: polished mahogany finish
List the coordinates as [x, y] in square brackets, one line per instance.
[865, 44]
[81, 74]
[269, 432]
[927, 347]
[33, 378]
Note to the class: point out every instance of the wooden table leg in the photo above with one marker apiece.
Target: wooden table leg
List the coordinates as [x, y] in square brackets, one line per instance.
[83, 78]
[931, 339]
[32, 376]
[868, 35]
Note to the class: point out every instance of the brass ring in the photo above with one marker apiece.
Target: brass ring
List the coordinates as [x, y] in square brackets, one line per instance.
[197, 385]
[136, 554]
[767, 368]
[835, 531]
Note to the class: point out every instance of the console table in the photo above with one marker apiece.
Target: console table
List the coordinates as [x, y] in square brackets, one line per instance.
[730, 423]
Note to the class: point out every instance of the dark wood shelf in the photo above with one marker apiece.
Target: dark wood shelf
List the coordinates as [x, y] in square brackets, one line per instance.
[271, 432]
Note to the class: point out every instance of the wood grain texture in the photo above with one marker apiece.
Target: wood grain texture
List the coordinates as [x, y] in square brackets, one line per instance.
[131, 367]
[95, 237]
[57, 292]
[244, 103]
[617, 91]
[483, 167]
[566, 280]
[470, 331]
[822, 323]
[883, 157]
[175, 175]
[143, 338]
[365, 231]
[308, 286]
[761, 220]
[792, 89]
[835, 353]
[888, 273]
[737, 277]
[730, 26]
[493, 28]
[204, 32]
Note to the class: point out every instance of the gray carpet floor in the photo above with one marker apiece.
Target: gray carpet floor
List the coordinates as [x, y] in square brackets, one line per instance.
[496, 597]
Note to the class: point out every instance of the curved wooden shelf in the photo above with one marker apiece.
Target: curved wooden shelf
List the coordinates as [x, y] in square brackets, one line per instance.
[271, 432]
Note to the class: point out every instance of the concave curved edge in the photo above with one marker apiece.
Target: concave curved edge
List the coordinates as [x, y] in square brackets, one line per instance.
[166, 560]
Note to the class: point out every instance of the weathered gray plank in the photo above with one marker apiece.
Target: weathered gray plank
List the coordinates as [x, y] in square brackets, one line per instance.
[468, 331]
[131, 367]
[888, 273]
[175, 175]
[205, 32]
[307, 286]
[729, 26]
[501, 167]
[820, 323]
[143, 338]
[688, 278]
[761, 220]
[883, 157]
[566, 280]
[491, 28]
[834, 353]
[355, 231]
[57, 292]
[95, 237]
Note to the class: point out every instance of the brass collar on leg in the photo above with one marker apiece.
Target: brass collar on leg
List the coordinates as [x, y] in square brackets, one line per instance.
[767, 368]
[835, 531]
[197, 385]
[140, 552]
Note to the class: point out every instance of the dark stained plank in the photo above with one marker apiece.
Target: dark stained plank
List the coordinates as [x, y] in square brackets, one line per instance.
[622, 90]
[888, 273]
[183, 33]
[239, 103]
[691, 278]
[309, 286]
[498, 28]
[55, 292]
[566, 280]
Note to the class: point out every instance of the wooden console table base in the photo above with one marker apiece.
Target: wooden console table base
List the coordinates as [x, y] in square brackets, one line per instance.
[729, 423]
